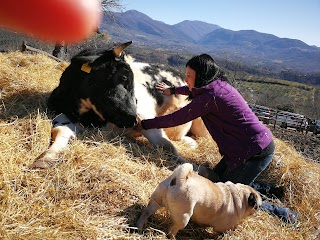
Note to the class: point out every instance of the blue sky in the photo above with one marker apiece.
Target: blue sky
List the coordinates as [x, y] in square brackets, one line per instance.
[296, 19]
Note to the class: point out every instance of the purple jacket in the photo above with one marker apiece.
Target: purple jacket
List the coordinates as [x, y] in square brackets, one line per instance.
[233, 126]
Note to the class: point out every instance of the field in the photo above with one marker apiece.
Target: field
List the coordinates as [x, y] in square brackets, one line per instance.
[280, 94]
[102, 182]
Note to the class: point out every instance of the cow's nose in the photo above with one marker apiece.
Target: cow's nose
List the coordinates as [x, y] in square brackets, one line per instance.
[134, 121]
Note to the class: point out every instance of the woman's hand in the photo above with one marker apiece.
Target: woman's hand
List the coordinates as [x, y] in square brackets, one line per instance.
[138, 126]
[164, 88]
[56, 21]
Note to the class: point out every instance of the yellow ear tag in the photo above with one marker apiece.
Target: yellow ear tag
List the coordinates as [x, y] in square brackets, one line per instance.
[86, 68]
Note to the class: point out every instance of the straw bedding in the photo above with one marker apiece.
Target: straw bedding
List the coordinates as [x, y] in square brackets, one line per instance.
[102, 182]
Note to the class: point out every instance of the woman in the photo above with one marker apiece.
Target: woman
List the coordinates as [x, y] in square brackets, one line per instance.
[245, 144]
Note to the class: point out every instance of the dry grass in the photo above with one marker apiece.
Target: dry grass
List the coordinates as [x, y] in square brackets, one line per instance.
[103, 182]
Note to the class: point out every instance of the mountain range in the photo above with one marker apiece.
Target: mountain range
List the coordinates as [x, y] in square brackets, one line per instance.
[195, 37]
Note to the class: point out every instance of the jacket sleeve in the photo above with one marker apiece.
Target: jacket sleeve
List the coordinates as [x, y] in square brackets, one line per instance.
[182, 90]
[198, 107]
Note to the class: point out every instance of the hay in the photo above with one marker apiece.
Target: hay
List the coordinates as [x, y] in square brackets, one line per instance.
[100, 187]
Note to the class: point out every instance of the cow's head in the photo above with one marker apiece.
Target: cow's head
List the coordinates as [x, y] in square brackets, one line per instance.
[112, 87]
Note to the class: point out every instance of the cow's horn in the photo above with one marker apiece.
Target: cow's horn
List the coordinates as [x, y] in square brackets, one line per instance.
[118, 50]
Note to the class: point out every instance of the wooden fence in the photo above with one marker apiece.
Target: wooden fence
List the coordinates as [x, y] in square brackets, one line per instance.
[285, 119]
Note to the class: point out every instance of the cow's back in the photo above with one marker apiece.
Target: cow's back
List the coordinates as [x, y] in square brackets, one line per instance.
[151, 102]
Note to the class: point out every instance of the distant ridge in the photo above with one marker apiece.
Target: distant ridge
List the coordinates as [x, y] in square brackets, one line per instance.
[196, 29]
[248, 46]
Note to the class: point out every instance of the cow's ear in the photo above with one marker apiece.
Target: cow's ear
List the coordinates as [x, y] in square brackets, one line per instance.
[118, 50]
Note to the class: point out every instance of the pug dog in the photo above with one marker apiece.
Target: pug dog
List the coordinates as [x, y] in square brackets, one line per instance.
[187, 195]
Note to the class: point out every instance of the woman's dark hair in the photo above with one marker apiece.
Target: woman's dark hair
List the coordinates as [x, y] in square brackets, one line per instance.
[206, 68]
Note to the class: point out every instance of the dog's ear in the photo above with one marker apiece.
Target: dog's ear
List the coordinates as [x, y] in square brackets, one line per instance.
[173, 182]
[252, 201]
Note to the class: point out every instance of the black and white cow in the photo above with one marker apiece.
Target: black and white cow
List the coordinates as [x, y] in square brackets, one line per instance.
[104, 87]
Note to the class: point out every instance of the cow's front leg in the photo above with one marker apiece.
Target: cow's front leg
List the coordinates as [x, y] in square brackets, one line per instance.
[62, 132]
[157, 137]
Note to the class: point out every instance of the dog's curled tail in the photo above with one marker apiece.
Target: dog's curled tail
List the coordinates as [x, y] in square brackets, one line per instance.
[181, 173]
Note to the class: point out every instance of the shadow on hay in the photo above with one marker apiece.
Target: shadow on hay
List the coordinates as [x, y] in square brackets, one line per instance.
[159, 223]
[23, 103]
[137, 147]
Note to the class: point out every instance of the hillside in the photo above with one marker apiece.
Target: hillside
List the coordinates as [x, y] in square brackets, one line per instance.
[102, 182]
[248, 46]
[281, 94]
[196, 29]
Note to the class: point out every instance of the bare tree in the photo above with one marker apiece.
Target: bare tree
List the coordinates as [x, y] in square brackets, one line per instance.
[111, 5]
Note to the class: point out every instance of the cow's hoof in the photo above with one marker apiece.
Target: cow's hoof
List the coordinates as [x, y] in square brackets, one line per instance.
[44, 161]
[192, 144]
[40, 164]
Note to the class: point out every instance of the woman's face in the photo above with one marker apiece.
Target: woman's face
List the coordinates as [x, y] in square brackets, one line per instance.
[190, 77]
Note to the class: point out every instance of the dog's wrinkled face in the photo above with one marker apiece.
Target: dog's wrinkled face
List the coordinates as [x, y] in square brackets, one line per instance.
[253, 201]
